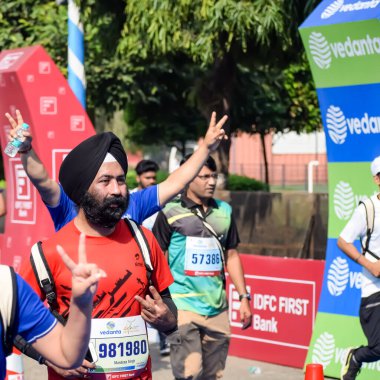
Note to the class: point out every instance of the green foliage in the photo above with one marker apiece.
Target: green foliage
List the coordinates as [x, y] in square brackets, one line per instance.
[165, 112]
[126, 40]
[168, 64]
[269, 99]
[206, 30]
[43, 22]
[131, 178]
[303, 111]
[261, 103]
[245, 56]
[162, 175]
[240, 183]
[234, 182]
[30, 22]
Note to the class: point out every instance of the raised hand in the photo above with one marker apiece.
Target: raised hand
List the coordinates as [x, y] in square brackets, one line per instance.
[215, 133]
[154, 311]
[85, 276]
[17, 131]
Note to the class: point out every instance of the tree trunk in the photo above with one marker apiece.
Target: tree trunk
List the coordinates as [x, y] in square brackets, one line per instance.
[266, 171]
[214, 94]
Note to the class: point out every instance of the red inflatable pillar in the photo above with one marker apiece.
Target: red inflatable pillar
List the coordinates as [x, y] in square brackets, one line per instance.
[32, 83]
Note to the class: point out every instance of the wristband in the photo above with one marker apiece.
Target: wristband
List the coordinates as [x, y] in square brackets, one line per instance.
[26, 150]
[246, 295]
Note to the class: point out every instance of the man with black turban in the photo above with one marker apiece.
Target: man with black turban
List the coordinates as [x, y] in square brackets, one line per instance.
[142, 203]
[93, 176]
[80, 167]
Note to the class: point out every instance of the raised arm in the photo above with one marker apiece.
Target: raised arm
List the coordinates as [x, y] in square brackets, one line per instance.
[66, 346]
[33, 166]
[177, 180]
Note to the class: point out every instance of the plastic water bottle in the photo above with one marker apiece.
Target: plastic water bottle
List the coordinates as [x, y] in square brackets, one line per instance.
[254, 370]
[13, 146]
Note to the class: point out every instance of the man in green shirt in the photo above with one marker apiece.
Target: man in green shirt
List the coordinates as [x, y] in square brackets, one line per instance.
[200, 236]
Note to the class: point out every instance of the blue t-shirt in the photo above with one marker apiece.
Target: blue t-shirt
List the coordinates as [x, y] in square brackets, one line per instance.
[33, 319]
[142, 204]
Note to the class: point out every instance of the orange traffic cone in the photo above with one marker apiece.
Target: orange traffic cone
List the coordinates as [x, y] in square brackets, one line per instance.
[314, 372]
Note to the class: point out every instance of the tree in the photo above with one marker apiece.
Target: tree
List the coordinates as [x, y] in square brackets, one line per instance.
[109, 78]
[223, 37]
[29, 22]
[145, 56]
[165, 112]
[271, 100]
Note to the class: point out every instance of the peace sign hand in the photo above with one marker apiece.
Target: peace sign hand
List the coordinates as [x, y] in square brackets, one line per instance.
[17, 131]
[85, 276]
[215, 133]
[155, 312]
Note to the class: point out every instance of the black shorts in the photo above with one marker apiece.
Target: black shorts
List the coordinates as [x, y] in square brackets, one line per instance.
[370, 318]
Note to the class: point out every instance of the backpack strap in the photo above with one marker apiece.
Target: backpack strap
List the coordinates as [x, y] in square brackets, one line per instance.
[370, 221]
[8, 306]
[222, 249]
[139, 236]
[43, 275]
[45, 280]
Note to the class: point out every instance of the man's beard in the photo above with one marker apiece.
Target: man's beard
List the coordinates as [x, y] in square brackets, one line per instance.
[100, 213]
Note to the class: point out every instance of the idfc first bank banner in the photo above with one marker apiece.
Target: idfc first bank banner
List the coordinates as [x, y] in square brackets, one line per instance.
[342, 42]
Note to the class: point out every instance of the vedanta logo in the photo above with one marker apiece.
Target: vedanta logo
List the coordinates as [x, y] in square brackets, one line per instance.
[344, 200]
[322, 51]
[338, 276]
[338, 126]
[339, 6]
[332, 9]
[324, 348]
[110, 332]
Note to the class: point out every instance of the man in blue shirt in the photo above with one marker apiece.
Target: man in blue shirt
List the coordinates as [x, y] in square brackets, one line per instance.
[65, 346]
[146, 177]
[142, 204]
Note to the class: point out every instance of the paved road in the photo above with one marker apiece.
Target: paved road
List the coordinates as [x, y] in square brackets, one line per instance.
[237, 369]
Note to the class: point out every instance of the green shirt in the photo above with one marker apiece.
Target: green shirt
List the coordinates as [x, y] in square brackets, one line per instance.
[203, 295]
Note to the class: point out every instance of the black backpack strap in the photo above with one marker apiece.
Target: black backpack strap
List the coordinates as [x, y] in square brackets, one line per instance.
[369, 208]
[45, 280]
[43, 275]
[27, 349]
[222, 249]
[139, 236]
[8, 306]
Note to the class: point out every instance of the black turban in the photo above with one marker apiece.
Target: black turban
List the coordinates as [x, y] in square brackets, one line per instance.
[81, 165]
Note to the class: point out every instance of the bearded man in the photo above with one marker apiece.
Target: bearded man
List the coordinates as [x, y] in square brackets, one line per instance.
[93, 176]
